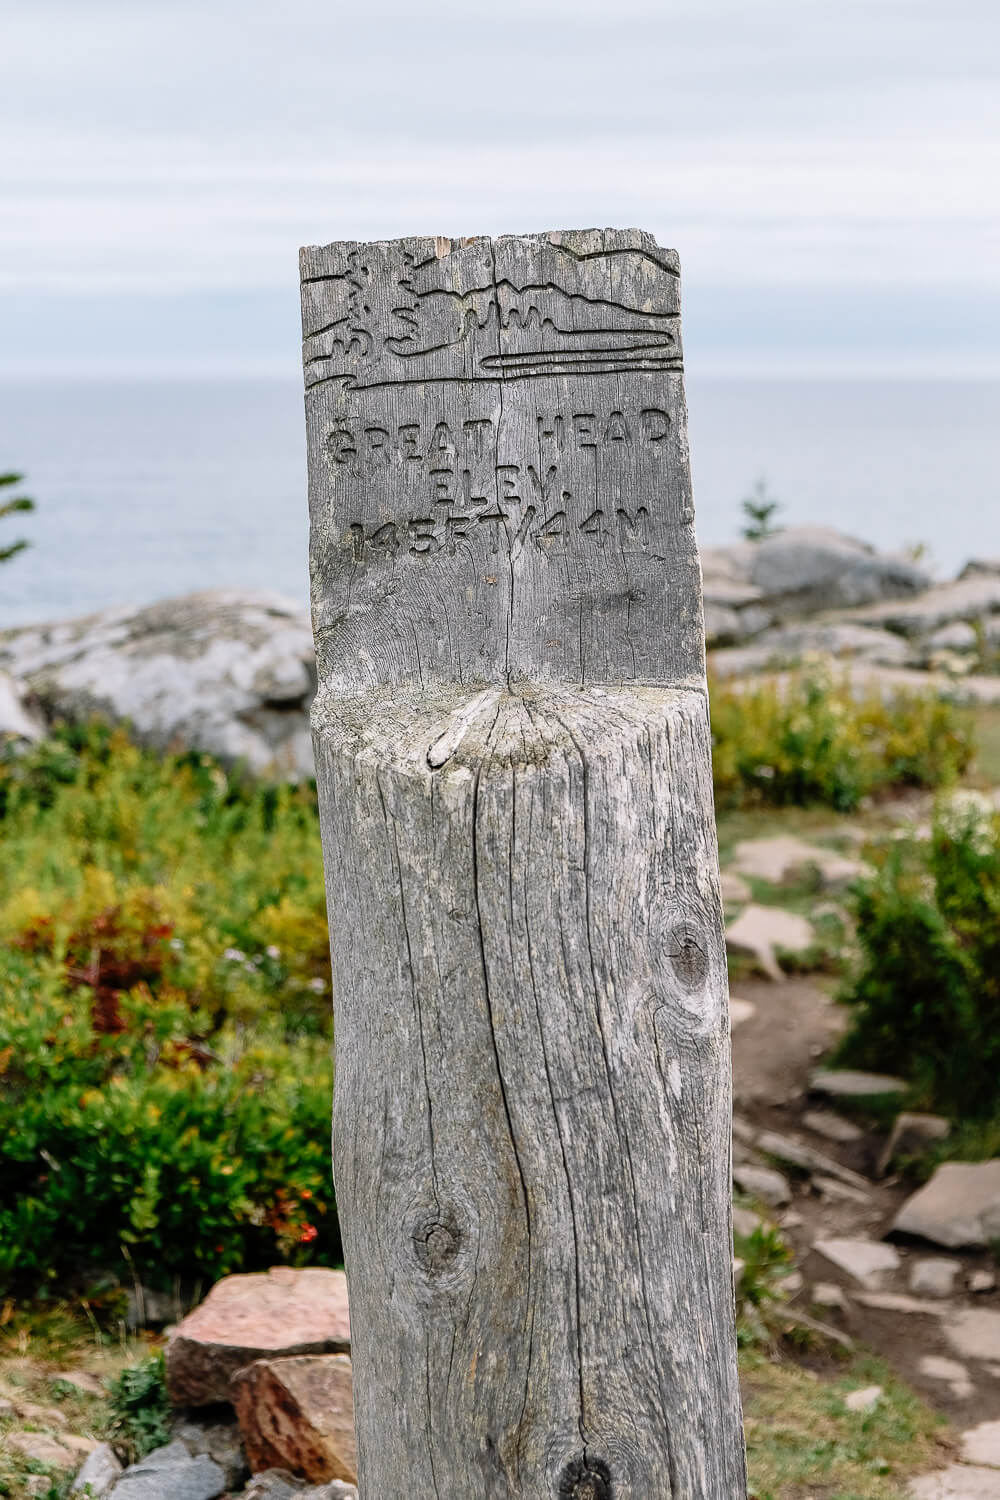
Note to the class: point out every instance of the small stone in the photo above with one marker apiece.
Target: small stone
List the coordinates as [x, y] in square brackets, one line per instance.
[911, 1135]
[827, 1294]
[957, 1482]
[848, 1083]
[793, 1283]
[49, 1416]
[171, 1473]
[299, 1414]
[783, 859]
[792, 1220]
[100, 1471]
[735, 891]
[832, 1127]
[745, 1221]
[974, 1333]
[869, 1264]
[864, 1399]
[740, 1011]
[80, 1380]
[797, 1154]
[43, 1449]
[759, 932]
[77, 1442]
[900, 1302]
[278, 1313]
[839, 1192]
[934, 1276]
[982, 1281]
[958, 1207]
[981, 1445]
[219, 1441]
[743, 1130]
[936, 1367]
[765, 1183]
[739, 1266]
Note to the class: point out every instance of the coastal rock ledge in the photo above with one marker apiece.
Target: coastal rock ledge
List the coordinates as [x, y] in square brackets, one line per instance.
[225, 671]
[231, 672]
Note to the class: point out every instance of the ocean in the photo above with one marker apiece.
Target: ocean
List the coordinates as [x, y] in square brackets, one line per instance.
[151, 488]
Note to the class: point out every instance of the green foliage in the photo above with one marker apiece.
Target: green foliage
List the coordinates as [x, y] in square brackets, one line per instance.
[766, 1260]
[164, 1018]
[759, 510]
[9, 508]
[925, 999]
[140, 1409]
[809, 739]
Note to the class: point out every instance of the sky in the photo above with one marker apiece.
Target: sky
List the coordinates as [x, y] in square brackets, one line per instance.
[828, 171]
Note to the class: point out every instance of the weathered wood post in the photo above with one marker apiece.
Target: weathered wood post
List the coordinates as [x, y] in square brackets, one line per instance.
[532, 1113]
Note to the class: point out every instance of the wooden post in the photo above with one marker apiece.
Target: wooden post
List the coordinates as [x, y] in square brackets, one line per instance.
[532, 1104]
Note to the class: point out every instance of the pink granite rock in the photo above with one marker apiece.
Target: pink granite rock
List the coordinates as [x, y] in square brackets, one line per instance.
[244, 1318]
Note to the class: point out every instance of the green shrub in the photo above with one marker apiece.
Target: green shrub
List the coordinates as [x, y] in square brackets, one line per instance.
[140, 1410]
[810, 739]
[164, 1018]
[925, 999]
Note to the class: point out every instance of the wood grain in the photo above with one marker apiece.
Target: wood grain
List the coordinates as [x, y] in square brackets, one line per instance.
[532, 1104]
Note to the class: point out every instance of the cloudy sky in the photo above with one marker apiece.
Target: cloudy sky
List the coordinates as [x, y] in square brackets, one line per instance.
[828, 171]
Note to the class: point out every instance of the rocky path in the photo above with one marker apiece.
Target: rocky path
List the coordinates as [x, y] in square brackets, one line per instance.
[931, 1310]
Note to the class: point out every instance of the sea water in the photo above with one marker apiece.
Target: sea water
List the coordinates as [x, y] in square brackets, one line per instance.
[155, 487]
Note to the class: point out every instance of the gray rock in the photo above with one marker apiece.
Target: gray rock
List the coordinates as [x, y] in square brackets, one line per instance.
[745, 1221]
[735, 891]
[934, 1276]
[936, 1367]
[969, 598]
[100, 1471]
[783, 858]
[740, 1011]
[982, 1281]
[722, 624]
[765, 1183]
[805, 569]
[981, 567]
[866, 1262]
[864, 1399]
[974, 1333]
[958, 1207]
[957, 1482]
[910, 1135]
[788, 645]
[16, 721]
[901, 1302]
[760, 932]
[797, 1154]
[829, 1295]
[848, 1083]
[981, 1445]
[277, 1484]
[223, 671]
[146, 1308]
[959, 636]
[219, 1441]
[171, 1473]
[832, 1127]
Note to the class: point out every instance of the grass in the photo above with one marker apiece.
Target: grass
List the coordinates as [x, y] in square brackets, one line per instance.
[38, 1344]
[801, 1439]
[804, 1444]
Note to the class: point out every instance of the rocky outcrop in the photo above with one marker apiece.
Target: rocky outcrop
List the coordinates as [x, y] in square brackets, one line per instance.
[298, 1414]
[245, 1318]
[231, 672]
[960, 1206]
[223, 671]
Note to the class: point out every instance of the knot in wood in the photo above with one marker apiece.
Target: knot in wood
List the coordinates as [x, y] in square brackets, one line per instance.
[436, 1244]
[585, 1479]
[687, 950]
